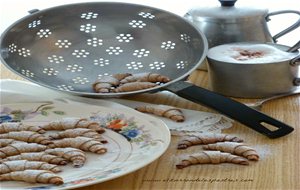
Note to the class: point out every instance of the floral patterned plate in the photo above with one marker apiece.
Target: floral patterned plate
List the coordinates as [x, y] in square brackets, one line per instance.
[134, 140]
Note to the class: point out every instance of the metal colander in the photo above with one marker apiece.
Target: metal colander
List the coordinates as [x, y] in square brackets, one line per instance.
[68, 47]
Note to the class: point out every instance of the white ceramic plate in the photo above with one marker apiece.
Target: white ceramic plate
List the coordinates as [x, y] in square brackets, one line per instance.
[142, 139]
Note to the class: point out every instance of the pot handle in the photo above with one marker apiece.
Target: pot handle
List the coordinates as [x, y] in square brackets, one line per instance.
[295, 62]
[252, 118]
[287, 30]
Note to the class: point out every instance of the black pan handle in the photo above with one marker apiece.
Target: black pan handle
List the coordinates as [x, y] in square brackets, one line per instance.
[233, 109]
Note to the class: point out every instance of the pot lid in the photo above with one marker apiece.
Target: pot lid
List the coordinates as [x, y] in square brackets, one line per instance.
[227, 11]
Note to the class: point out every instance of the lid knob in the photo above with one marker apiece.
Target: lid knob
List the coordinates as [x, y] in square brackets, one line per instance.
[227, 3]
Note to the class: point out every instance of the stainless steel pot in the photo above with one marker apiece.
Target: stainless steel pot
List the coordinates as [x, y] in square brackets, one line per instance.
[228, 23]
[254, 80]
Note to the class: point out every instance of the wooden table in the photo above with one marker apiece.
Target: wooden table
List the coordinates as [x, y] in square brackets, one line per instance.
[278, 168]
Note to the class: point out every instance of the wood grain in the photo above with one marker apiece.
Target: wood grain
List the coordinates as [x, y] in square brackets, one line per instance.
[278, 168]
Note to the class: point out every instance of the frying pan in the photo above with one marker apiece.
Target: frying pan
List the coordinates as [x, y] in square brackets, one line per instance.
[68, 47]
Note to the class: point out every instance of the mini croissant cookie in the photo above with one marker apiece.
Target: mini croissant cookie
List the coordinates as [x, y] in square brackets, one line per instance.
[83, 132]
[33, 176]
[82, 143]
[105, 84]
[205, 138]
[72, 123]
[76, 156]
[17, 126]
[5, 142]
[38, 156]
[234, 148]
[18, 148]
[134, 86]
[20, 165]
[27, 136]
[121, 76]
[164, 111]
[146, 77]
[211, 157]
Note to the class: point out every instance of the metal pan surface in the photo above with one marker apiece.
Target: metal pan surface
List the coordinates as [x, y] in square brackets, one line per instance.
[68, 47]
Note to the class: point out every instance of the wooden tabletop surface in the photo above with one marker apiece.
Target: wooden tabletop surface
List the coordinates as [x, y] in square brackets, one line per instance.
[278, 167]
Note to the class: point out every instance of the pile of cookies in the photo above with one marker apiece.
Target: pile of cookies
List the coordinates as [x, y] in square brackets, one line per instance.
[221, 148]
[28, 154]
[127, 82]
